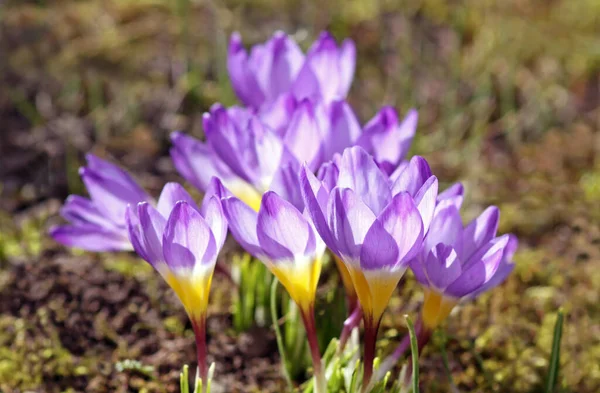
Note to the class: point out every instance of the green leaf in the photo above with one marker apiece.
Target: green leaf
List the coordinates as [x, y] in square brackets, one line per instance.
[414, 348]
[555, 356]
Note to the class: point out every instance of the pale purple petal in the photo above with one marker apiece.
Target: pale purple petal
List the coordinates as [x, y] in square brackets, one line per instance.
[242, 79]
[242, 224]
[359, 172]
[442, 266]
[412, 178]
[446, 226]
[277, 115]
[349, 221]
[90, 238]
[479, 231]
[342, 129]
[286, 183]
[213, 214]
[454, 193]
[188, 240]
[425, 199]
[303, 136]
[82, 211]
[505, 267]
[170, 195]
[306, 85]
[116, 175]
[324, 61]
[316, 197]
[152, 226]
[347, 59]
[282, 230]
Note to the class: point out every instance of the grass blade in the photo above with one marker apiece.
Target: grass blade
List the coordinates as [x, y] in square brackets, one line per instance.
[278, 335]
[414, 348]
[555, 356]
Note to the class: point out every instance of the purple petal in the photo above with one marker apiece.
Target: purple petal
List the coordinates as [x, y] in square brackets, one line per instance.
[412, 178]
[283, 232]
[82, 211]
[316, 197]
[303, 136]
[276, 65]
[243, 81]
[286, 183]
[277, 115]
[323, 59]
[446, 226]
[342, 128]
[402, 223]
[242, 224]
[188, 240]
[505, 267]
[359, 172]
[454, 193]
[151, 228]
[425, 200]
[442, 266]
[329, 172]
[133, 193]
[170, 195]
[90, 238]
[347, 59]
[213, 214]
[306, 85]
[196, 162]
[349, 221]
[479, 232]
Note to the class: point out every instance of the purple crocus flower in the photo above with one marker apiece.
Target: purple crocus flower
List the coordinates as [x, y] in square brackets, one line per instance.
[286, 242]
[374, 225]
[98, 223]
[459, 262]
[182, 242]
[278, 67]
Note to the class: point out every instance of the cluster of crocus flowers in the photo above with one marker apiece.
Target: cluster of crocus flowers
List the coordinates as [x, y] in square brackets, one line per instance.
[291, 174]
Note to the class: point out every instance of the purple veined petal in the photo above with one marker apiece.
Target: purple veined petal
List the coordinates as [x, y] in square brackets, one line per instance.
[110, 197]
[91, 238]
[505, 267]
[242, 224]
[479, 269]
[446, 226]
[213, 214]
[106, 170]
[425, 199]
[349, 221]
[479, 232]
[152, 226]
[388, 139]
[329, 173]
[303, 136]
[216, 188]
[412, 178]
[170, 195]
[396, 172]
[82, 211]
[316, 197]
[359, 172]
[242, 79]
[196, 162]
[283, 232]
[187, 240]
[286, 183]
[442, 266]
[276, 64]
[402, 222]
[324, 61]
[278, 114]
[347, 59]
[343, 129]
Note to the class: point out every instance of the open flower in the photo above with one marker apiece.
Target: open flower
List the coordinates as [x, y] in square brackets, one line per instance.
[374, 225]
[182, 242]
[278, 67]
[285, 241]
[460, 262]
[98, 223]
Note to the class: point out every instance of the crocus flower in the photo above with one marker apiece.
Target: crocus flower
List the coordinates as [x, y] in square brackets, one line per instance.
[459, 262]
[285, 241]
[182, 241]
[278, 67]
[98, 223]
[374, 225]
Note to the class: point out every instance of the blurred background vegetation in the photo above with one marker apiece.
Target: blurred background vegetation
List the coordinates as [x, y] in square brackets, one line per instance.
[508, 94]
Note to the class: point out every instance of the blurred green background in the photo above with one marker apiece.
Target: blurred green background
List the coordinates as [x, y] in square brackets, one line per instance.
[508, 94]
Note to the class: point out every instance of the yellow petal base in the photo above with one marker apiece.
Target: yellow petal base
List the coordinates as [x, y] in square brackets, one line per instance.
[436, 308]
[299, 279]
[346, 277]
[193, 291]
[374, 289]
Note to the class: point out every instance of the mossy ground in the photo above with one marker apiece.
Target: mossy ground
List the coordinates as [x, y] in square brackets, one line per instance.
[509, 101]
